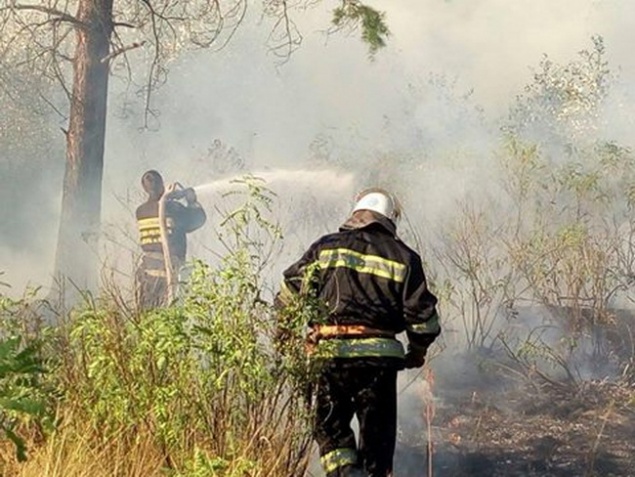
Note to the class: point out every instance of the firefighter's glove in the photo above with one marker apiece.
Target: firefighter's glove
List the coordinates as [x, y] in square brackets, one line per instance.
[190, 195]
[414, 358]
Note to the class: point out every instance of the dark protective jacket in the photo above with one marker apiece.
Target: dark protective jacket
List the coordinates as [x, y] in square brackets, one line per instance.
[180, 220]
[365, 275]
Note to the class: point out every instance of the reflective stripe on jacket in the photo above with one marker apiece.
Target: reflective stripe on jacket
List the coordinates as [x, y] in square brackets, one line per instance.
[150, 229]
[364, 275]
[180, 220]
[338, 458]
[359, 348]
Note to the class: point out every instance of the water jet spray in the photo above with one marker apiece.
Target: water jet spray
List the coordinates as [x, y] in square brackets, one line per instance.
[320, 179]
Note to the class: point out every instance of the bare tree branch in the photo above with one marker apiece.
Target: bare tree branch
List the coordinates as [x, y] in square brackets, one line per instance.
[60, 16]
[155, 60]
[118, 44]
[241, 16]
[58, 53]
[52, 106]
[124, 49]
[290, 39]
[123, 24]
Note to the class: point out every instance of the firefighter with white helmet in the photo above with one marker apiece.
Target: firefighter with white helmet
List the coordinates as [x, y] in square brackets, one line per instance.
[373, 287]
[379, 201]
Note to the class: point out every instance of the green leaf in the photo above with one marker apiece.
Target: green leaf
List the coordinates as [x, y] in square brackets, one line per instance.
[25, 405]
[372, 22]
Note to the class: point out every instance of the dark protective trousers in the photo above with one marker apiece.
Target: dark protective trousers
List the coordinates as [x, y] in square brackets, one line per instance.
[355, 388]
[152, 281]
[152, 285]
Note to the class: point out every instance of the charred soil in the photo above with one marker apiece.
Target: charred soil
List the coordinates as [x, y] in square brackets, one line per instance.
[523, 429]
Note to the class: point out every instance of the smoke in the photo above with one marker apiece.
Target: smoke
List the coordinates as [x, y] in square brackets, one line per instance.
[307, 203]
[423, 119]
[30, 178]
[409, 101]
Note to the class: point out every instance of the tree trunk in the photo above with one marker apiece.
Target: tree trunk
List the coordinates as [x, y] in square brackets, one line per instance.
[76, 256]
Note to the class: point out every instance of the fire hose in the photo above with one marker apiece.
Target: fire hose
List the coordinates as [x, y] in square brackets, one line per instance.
[163, 226]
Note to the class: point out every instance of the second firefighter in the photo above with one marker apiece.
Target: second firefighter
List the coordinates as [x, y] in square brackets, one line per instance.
[179, 220]
[372, 287]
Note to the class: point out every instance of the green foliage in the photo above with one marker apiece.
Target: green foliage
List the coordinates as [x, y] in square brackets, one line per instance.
[481, 276]
[201, 377]
[572, 218]
[560, 242]
[353, 14]
[563, 102]
[202, 465]
[23, 394]
[531, 357]
[20, 369]
[291, 332]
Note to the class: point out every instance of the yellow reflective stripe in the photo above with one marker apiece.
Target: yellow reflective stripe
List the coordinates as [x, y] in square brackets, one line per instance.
[149, 229]
[153, 223]
[338, 458]
[149, 222]
[149, 237]
[373, 264]
[429, 327]
[152, 231]
[360, 348]
[148, 240]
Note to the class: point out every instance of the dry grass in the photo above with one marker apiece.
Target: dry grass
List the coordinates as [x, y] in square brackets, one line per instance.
[76, 449]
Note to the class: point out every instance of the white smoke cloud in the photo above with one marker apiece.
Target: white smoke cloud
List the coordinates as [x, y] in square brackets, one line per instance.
[271, 113]
[491, 44]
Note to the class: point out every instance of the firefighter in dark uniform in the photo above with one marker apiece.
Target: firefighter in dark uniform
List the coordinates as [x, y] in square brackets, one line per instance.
[373, 287]
[180, 219]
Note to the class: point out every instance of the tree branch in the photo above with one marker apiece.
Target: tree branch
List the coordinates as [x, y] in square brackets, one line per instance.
[155, 60]
[239, 10]
[121, 50]
[123, 24]
[61, 16]
[290, 39]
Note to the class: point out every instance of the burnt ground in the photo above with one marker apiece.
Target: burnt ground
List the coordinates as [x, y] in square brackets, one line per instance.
[518, 428]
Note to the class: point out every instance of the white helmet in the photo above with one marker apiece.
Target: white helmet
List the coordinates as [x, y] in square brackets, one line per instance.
[380, 201]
